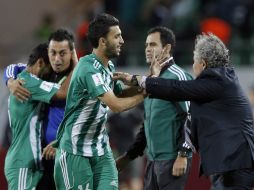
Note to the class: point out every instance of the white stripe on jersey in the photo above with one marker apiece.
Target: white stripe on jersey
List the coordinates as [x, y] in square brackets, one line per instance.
[101, 138]
[181, 76]
[96, 64]
[63, 165]
[90, 136]
[22, 178]
[9, 114]
[9, 71]
[77, 126]
[35, 142]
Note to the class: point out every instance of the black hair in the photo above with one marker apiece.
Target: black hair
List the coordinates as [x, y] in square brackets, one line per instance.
[40, 51]
[99, 27]
[61, 35]
[167, 36]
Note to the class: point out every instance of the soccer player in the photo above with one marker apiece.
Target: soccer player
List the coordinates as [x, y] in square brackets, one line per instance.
[62, 57]
[84, 159]
[23, 167]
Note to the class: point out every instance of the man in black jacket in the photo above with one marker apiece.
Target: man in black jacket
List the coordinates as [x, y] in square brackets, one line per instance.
[222, 129]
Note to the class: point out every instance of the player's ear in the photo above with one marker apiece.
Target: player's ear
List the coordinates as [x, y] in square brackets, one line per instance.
[40, 62]
[102, 41]
[204, 64]
[167, 48]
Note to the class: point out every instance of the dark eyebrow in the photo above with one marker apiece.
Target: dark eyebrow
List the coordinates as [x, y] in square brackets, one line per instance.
[61, 51]
[151, 43]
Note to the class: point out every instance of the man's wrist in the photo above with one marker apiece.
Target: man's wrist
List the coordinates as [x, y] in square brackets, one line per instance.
[9, 81]
[134, 80]
[142, 81]
[183, 154]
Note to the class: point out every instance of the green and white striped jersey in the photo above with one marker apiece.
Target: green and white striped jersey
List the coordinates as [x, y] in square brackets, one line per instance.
[82, 131]
[25, 149]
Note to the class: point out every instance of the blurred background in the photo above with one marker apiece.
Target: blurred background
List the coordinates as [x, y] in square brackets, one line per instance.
[24, 24]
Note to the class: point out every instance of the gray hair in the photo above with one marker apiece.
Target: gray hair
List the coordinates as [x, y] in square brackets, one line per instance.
[212, 50]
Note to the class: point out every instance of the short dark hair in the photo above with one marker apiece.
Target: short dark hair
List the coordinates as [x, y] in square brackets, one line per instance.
[61, 35]
[167, 36]
[40, 51]
[99, 27]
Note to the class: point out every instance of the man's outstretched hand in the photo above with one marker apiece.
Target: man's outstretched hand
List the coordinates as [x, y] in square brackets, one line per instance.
[16, 88]
[124, 77]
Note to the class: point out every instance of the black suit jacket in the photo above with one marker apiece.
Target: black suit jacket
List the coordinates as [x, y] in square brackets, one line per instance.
[221, 117]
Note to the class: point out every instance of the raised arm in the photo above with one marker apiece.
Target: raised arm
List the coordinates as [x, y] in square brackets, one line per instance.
[11, 71]
[61, 94]
[202, 90]
[13, 84]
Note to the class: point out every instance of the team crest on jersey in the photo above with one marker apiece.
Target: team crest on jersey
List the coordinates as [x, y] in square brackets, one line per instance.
[97, 78]
[47, 86]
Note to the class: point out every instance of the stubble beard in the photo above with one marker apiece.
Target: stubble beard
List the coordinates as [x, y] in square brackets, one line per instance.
[110, 51]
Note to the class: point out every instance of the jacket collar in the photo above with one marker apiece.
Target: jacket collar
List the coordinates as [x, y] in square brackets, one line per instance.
[170, 61]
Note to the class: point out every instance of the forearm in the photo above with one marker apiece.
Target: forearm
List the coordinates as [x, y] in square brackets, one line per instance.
[123, 104]
[9, 81]
[129, 92]
[171, 90]
[62, 93]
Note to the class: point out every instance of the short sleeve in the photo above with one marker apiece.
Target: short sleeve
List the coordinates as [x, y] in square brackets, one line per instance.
[41, 90]
[95, 84]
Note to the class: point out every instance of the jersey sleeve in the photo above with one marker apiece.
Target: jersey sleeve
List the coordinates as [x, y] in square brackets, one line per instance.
[41, 90]
[95, 84]
[12, 71]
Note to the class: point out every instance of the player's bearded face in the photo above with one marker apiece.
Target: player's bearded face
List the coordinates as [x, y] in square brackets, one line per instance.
[111, 50]
[113, 43]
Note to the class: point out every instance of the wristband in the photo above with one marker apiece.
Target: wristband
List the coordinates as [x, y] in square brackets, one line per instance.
[134, 80]
[142, 82]
[183, 154]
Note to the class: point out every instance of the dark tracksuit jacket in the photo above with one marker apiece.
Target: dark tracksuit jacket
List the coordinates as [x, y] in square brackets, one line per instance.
[222, 121]
[163, 122]
[163, 119]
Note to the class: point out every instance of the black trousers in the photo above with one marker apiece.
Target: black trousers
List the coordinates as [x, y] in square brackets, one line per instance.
[234, 180]
[158, 176]
[47, 181]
